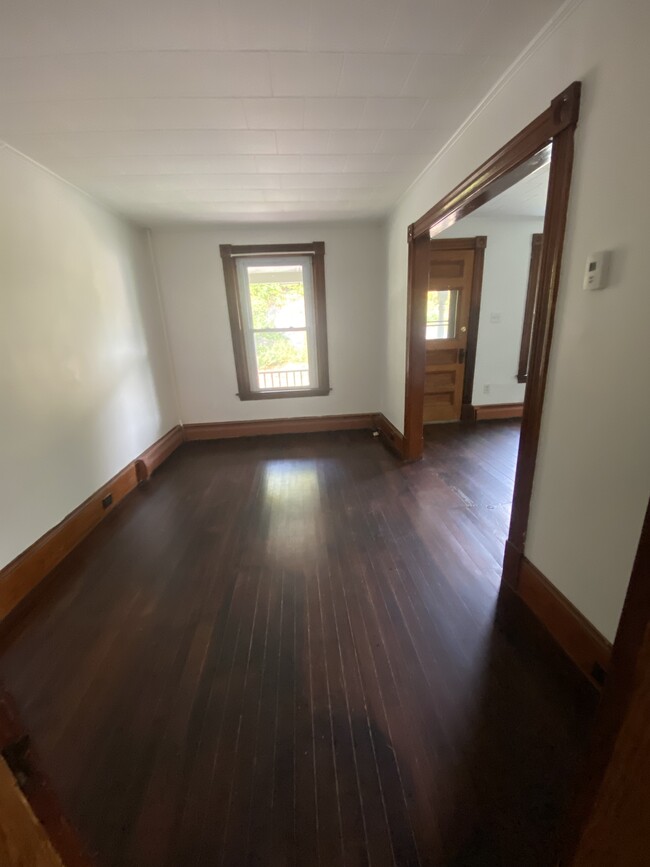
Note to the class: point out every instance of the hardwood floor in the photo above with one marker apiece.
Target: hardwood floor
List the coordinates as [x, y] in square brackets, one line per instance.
[281, 651]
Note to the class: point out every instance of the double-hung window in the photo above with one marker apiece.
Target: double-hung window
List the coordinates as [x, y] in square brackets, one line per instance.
[276, 304]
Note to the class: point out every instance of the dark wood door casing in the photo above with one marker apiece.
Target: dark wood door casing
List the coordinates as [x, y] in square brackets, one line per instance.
[554, 129]
[530, 307]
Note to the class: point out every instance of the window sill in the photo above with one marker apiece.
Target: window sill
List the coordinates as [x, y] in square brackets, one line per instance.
[285, 393]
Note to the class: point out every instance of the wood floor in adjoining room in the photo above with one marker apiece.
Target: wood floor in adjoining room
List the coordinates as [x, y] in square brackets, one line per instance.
[281, 651]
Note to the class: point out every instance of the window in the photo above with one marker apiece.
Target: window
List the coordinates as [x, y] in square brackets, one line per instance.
[276, 303]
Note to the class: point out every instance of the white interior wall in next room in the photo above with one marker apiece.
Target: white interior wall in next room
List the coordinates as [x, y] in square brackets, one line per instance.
[593, 468]
[194, 297]
[85, 379]
[505, 281]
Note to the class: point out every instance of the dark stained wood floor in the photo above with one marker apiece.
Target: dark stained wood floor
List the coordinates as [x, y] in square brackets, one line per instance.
[281, 651]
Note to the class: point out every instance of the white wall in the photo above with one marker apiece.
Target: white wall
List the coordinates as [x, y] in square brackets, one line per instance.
[505, 281]
[593, 470]
[84, 372]
[192, 282]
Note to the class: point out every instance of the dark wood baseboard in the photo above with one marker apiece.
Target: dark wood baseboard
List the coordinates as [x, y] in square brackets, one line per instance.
[486, 412]
[512, 558]
[157, 454]
[539, 652]
[582, 643]
[264, 427]
[20, 577]
[389, 434]
[537, 611]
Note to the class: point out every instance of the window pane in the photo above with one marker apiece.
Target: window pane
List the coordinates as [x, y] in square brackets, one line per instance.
[277, 294]
[441, 314]
[282, 359]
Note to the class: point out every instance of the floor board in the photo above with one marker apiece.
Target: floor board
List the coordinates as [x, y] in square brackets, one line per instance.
[281, 651]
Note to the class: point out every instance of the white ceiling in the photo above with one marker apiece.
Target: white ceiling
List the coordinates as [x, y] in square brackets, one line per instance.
[527, 198]
[249, 109]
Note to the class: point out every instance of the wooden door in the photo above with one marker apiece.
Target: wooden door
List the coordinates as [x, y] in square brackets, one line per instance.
[448, 308]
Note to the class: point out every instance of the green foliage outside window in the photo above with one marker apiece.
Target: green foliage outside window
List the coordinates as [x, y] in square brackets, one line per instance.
[437, 307]
[274, 305]
[277, 351]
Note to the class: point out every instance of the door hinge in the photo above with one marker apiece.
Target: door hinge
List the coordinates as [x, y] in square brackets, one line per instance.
[461, 356]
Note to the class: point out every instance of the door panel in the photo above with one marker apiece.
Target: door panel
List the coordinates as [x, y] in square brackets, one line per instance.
[448, 305]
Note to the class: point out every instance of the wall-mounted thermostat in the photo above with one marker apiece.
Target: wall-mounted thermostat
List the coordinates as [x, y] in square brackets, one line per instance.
[595, 272]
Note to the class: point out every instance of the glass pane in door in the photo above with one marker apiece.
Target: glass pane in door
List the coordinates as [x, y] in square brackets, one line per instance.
[442, 307]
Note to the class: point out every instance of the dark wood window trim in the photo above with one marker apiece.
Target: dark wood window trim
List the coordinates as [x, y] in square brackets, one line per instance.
[552, 131]
[530, 308]
[229, 255]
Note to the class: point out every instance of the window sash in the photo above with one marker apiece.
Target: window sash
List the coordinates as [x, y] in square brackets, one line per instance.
[249, 331]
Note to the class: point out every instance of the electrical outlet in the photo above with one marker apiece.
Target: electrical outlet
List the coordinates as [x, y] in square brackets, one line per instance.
[495, 318]
[486, 389]
[107, 501]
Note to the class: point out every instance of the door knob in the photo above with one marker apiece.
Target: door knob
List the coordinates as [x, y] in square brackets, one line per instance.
[463, 328]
